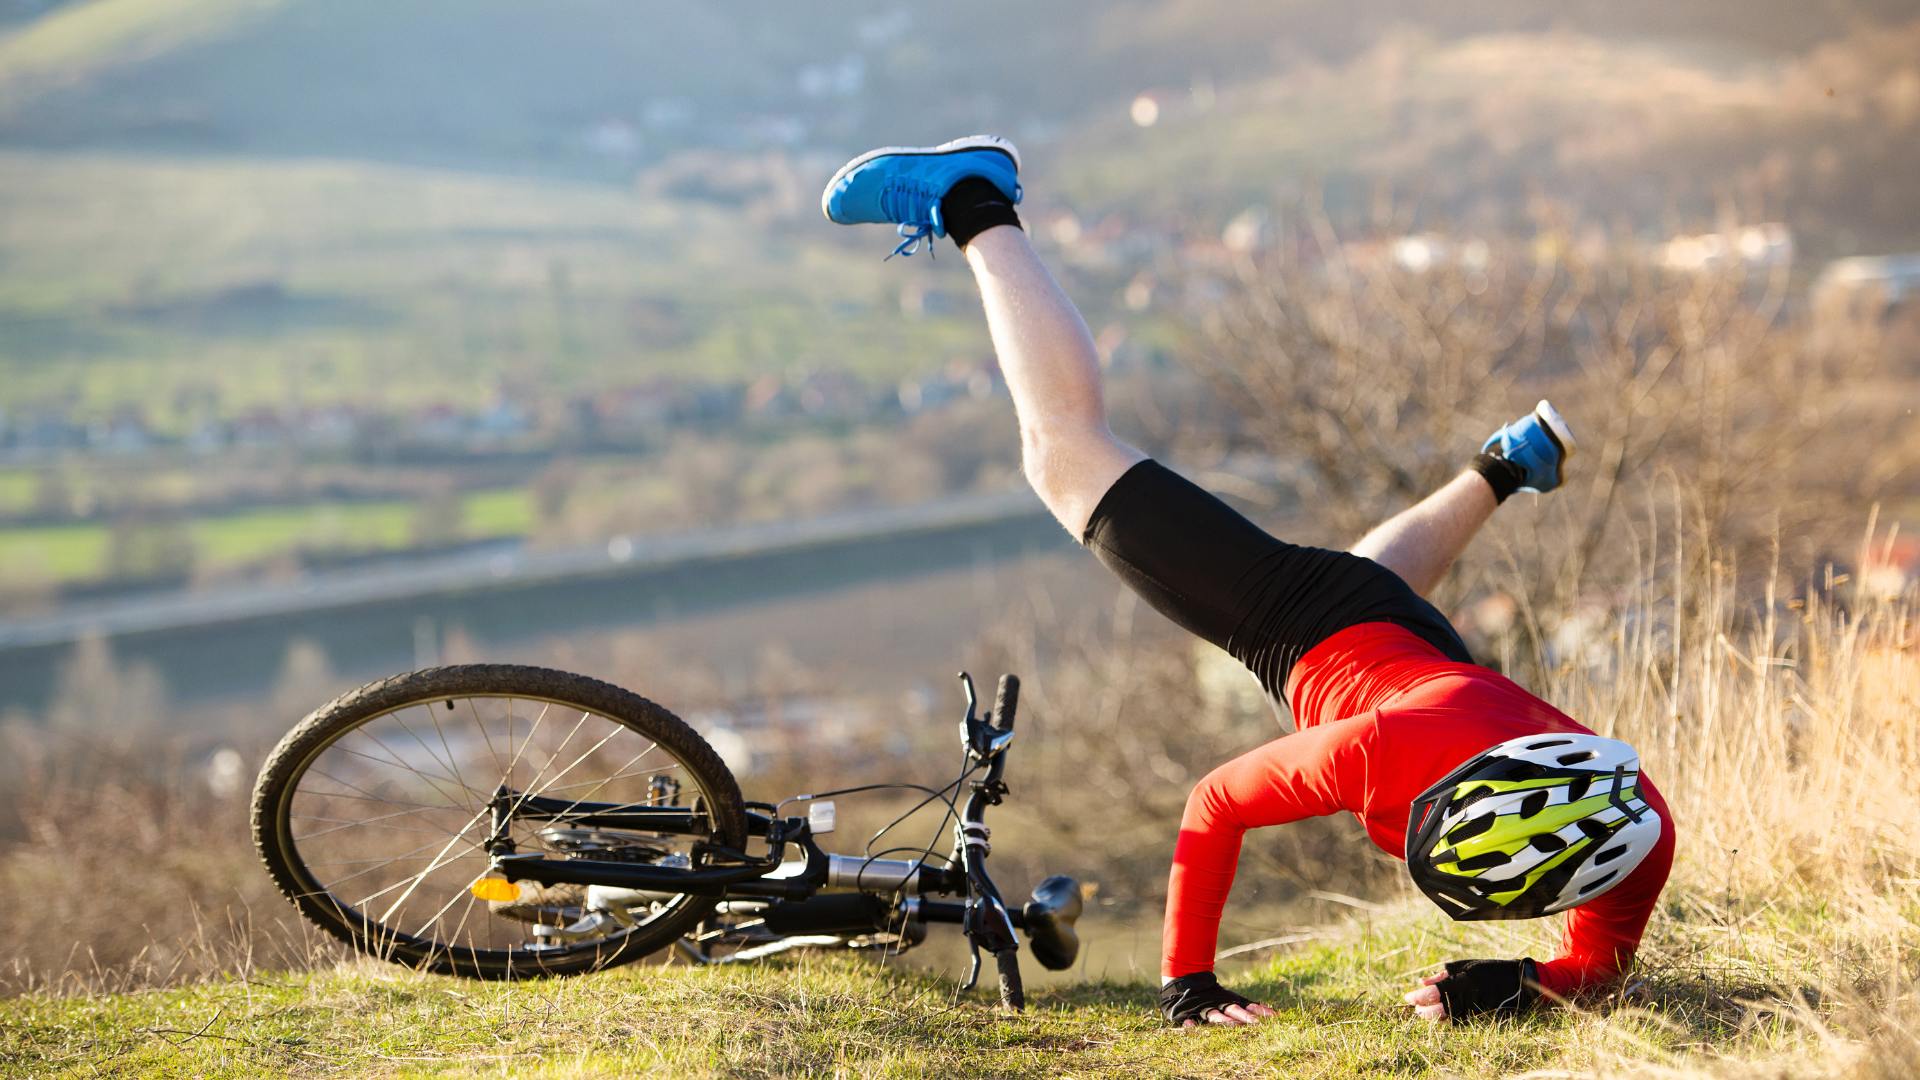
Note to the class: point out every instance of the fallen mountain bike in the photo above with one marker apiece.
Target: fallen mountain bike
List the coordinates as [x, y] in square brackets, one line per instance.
[496, 821]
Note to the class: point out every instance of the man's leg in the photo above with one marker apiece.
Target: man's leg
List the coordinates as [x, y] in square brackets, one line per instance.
[1419, 543]
[1188, 554]
[966, 190]
[1053, 372]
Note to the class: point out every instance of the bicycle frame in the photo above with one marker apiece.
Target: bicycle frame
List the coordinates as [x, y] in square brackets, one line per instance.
[988, 922]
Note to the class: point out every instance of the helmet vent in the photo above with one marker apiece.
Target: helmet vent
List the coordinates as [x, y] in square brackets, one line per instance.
[1547, 841]
[1599, 883]
[1534, 803]
[1577, 757]
[1594, 829]
[1609, 855]
[1545, 744]
[1486, 860]
[1577, 787]
[1470, 828]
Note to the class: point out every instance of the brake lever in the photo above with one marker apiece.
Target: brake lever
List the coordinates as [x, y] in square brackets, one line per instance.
[970, 723]
[973, 969]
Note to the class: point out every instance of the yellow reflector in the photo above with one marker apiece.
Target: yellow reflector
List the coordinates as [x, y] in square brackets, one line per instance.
[493, 888]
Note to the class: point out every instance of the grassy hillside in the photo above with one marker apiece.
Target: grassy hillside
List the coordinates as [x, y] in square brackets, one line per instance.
[839, 1016]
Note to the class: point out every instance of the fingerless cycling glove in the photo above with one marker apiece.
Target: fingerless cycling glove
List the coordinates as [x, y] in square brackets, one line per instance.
[1192, 997]
[1477, 987]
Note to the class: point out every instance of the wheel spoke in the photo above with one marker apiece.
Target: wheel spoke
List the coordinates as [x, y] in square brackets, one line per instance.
[563, 814]
[312, 836]
[403, 766]
[371, 797]
[385, 863]
[434, 865]
[452, 761]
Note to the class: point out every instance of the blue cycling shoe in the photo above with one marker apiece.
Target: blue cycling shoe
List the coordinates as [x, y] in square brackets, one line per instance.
[1539, 443]
[903, 185]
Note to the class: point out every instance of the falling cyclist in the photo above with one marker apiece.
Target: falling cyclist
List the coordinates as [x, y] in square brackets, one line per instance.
[1502, 806]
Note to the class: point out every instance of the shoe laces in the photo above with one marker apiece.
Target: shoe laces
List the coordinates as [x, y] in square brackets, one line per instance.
[917, 208]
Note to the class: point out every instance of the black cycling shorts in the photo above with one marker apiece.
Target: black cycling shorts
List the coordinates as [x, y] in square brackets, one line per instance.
[1261, 599]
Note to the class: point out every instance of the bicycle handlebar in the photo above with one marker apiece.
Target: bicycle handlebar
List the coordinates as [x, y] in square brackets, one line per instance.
[1005, 700]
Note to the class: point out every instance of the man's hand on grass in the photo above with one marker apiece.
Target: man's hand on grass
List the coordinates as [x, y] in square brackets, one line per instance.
[1198, 999]
[1426, 1001]
[1235, 1015]
[1468, 988]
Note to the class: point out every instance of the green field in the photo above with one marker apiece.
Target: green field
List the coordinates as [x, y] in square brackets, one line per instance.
[69, 554]
[197, 287]
[55, 554]
[839, 1016]
[17, 489]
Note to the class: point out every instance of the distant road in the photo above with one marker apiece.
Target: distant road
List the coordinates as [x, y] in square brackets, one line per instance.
[509, 564]
[232, 640]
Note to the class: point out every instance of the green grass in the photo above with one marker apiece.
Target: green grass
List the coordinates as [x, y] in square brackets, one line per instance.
[843, 1016]
[18, 488]
[65, 554]
[508, 512]
[52, 554]
[240, 538]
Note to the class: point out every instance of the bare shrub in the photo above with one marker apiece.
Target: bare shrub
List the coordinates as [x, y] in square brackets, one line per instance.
[1373, 383]
[125, 863]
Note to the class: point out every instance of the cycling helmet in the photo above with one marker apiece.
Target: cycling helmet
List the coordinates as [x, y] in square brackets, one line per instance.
[1530, 827]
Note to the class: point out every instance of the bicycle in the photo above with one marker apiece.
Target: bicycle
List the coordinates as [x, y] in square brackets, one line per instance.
[442, 819]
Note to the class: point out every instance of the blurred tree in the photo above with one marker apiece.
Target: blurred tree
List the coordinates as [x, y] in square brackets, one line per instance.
[439, 519]
[551, 489]
[96, 693]
[306, 681]
[142, 548]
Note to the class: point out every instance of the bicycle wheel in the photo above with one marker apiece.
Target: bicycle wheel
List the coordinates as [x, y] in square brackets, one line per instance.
[372, 815]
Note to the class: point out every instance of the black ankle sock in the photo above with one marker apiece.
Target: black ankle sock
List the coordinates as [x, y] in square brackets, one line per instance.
[973, 206]
[1502, 475]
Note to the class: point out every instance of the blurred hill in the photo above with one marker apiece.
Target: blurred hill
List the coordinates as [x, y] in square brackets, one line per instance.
[592, 85]
[1646, 136]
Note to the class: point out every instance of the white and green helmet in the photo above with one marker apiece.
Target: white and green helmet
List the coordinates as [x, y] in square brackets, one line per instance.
[1532, 826]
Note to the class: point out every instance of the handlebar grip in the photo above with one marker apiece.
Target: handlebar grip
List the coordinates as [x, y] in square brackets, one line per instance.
[1012, 994]
[1005, 700]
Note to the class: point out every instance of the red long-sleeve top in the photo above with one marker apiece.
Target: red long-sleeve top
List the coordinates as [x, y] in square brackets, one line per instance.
[1383, 715]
